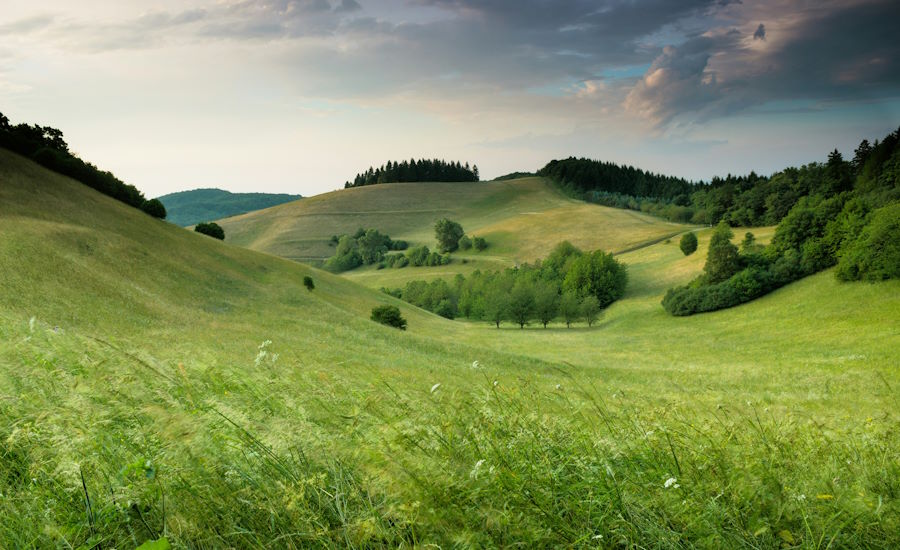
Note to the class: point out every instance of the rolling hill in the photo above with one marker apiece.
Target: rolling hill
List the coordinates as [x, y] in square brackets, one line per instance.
[521, 219]
[187, 208]
[157, 383]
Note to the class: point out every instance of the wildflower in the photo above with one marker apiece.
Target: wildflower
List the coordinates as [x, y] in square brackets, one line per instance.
[435, 387]
[475, 364]
[476, 469]
[597, 537]
[495, 383]
[671, 482]
[558, 387]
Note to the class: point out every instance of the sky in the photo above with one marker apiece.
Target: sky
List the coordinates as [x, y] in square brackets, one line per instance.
[297, 96]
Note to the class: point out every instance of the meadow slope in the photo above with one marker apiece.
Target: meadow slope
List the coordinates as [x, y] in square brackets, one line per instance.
[521, 219]
[158, 383]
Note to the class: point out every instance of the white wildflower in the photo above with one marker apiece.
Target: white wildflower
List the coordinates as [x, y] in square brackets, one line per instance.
[558, 387]
[476, 469]
[671, 482]
[475, 364]
[495, 383]
[597, 537]
[435, 387]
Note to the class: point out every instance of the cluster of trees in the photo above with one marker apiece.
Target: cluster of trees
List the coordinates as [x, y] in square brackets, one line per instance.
[365, 247]
[369, 246]
[46, 146]
[854, 225]
[415, 170]
[750, 200]
[568, 285]
[211, 229]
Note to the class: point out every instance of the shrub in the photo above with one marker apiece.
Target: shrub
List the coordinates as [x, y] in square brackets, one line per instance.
[155, 208]
[308, 283]
[388, 315]
[465, 243]
[688, 243]
[212, 229]
[479, 243]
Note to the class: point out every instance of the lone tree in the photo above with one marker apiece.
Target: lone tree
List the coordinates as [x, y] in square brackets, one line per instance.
[212, 229]
[308, 283]
[688, 243]
[590, 309]
[155, 208]
[479, 243]
[389, 315]
[723, 259]
[448, 233]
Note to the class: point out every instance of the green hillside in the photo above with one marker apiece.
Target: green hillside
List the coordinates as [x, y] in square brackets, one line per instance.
[155, 382]
[521, 220]
[187, 208]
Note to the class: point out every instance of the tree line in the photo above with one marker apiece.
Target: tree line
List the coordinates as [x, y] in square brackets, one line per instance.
[415, 170]
[569, 285]
[750, 200]
[46, 146]
[851, 221]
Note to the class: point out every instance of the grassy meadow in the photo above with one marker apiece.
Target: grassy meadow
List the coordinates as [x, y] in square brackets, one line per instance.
[157, 383]
[521, 219]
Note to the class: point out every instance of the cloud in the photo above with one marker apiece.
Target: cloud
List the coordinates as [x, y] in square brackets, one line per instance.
[835, 52]
[760, 33]
[27, 25]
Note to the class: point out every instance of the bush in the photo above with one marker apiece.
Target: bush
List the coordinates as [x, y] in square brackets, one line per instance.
[308, 283]
[388, 315]
[688, 243]
[479, 243]
[155, 208]
[465, 243]
[212, 229]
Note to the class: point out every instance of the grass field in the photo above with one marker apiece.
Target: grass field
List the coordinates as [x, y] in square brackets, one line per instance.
[158, 383]
[521, 219]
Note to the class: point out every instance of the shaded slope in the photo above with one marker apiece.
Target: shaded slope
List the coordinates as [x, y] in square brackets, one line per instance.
[202, 205]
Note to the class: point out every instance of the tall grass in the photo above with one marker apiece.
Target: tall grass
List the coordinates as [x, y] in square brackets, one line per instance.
[101, 447]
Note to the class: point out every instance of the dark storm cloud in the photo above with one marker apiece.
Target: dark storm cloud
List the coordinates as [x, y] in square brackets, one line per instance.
[839, 53]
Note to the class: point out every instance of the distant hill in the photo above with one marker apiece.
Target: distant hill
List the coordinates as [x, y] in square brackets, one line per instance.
[201, 205]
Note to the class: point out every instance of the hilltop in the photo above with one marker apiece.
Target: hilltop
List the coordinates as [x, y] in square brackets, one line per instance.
[521, 219]
[195, 390]
[187, 208]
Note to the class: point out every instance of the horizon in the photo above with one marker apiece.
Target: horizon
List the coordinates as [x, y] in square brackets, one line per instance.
[297, 97]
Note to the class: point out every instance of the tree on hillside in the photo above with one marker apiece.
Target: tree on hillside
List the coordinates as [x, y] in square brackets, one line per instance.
[569, 308]
[155, 208]
[479, 243]
[308, 283]
[521, 303]
[597, 274]
[212, 229]
[496, 304]
[590, 309]
[546, 302]
[389, 315]
[448, 233]
[465, 243]
[723, 259]
[688, 243]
